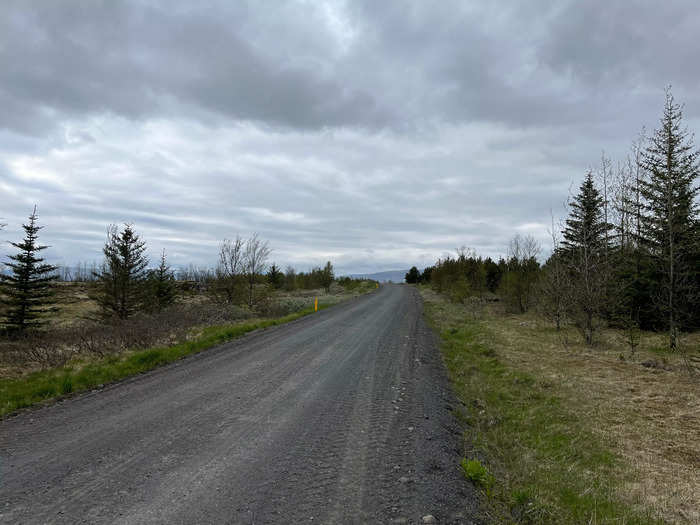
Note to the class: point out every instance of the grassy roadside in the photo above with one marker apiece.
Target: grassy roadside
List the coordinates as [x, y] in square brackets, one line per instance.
[76, 377]
[530, 442]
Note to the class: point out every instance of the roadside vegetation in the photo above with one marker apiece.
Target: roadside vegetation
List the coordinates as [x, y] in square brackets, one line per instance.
[567, 433]
[67, 330]
[580, 377]
[86, 372]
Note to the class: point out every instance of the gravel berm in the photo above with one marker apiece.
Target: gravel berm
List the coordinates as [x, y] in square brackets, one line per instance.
[344, 416]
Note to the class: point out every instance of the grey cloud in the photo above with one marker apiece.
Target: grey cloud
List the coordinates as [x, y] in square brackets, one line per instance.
[536, 63]
[377, 134]
[77, 58]
[404, 64]
[624, 42]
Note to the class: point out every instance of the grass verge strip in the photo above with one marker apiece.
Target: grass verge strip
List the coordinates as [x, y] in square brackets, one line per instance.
[41, 386]
[535, 457]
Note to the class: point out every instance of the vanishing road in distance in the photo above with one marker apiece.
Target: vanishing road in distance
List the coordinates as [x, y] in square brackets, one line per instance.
[343, 416]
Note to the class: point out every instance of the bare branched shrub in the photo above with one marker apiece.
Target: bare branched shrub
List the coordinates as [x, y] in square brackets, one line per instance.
[34, 348]
[553, 286]
[100, 339]
[228, 282]
[255, 256]
[522, 272]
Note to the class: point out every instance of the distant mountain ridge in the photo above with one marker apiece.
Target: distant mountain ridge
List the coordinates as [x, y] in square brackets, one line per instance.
[395, 276]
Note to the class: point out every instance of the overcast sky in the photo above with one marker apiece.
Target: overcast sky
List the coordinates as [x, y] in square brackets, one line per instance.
[378, 135]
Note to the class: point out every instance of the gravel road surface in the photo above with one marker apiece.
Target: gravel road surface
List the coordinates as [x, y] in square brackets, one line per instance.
[344, 416]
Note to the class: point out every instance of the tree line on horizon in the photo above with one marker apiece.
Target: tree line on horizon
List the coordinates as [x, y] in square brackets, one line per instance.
[627, 255]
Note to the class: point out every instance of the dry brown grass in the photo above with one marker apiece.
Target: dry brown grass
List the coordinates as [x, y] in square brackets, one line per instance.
[73, 331]
[73, 304]
[648, 415]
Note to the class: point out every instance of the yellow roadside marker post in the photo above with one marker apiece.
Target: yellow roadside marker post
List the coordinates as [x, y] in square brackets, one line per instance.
[316, 304]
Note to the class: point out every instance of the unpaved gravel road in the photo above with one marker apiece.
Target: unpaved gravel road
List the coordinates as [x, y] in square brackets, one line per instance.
[340, 417]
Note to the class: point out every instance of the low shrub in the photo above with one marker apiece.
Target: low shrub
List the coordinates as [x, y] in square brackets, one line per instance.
[477, 473]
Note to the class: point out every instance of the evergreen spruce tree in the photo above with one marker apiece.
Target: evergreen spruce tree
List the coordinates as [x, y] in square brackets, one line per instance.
[584, 249]
[327, 276]
[161, 285]
[426, 275]
[413, 276]
[493, 275]
[585, 228]
[275, 277]
[28, 287]
[120, 280]
[669, 229]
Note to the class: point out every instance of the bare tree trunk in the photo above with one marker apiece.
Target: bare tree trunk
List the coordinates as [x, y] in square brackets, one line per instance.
[605, 179]
[671, 263]
[231, 262]
[256, 253]
[639, 173]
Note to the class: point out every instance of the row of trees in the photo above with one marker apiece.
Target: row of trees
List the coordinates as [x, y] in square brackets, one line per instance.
[514, 278]
[632, 255]
[124, 285]
[628, 253]
[242, 264]
[315, 278]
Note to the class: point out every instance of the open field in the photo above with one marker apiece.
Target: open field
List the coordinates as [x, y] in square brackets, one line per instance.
[75, 302]
[574, 434]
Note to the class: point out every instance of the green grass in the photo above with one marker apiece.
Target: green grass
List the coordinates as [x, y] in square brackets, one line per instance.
[541, 463]
[477, 473]
[50, 384]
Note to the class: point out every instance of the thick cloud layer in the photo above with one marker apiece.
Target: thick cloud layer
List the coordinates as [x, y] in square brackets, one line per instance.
[376, 134]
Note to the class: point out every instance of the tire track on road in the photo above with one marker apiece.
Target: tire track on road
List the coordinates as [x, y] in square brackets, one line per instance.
[343, 417]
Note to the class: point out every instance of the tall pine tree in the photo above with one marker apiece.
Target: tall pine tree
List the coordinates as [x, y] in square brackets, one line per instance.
[327, 276]
[162, 288]
[28, 287]
[121, 280]
[584, 249]
[586, 229]
[412, 276]
[669, 229]
[275, 277]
